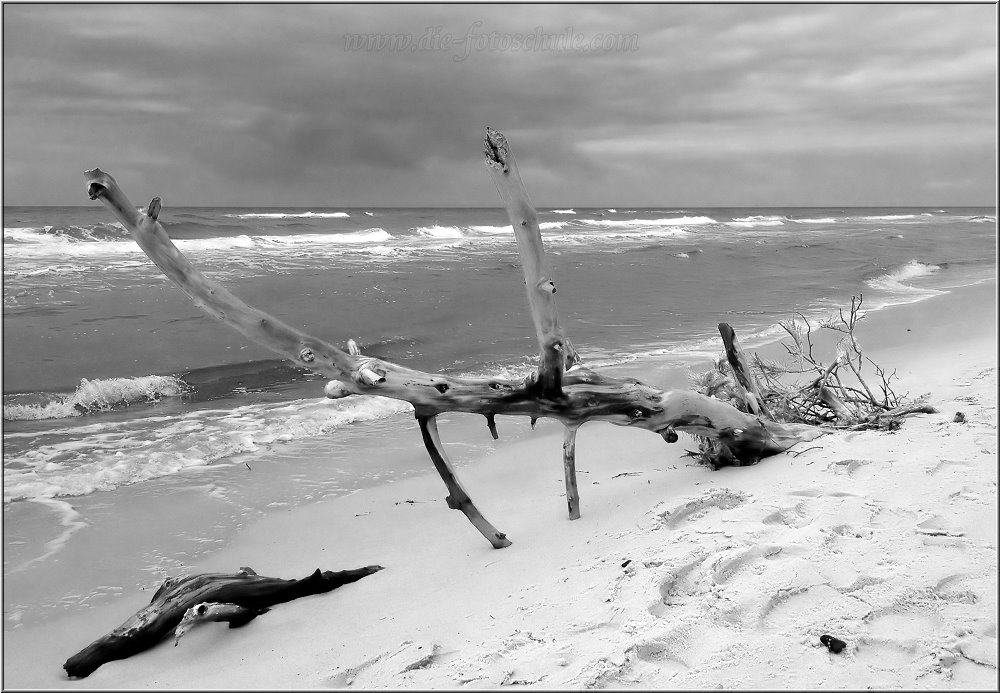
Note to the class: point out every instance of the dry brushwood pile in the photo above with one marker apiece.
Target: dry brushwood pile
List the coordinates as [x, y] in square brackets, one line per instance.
[836, 395]
[562, 387]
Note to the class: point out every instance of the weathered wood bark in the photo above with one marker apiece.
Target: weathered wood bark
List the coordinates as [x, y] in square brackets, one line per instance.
[538, 274]
[831, 400]
[206, 612]
[572, 396]
[243, 597]
[458, 498]
[745, 382]
[569, 472]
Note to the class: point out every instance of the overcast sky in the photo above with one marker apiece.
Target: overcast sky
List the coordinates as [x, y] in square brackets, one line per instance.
[729, 105]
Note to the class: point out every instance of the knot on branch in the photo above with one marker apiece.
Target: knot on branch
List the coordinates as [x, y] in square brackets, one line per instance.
[370, 372]
[336, 390]
[546, 285]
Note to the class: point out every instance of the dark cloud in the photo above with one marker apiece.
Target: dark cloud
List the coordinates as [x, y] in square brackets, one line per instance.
[729, 104]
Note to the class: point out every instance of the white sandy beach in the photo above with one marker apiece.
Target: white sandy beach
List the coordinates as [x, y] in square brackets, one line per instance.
[675, 576]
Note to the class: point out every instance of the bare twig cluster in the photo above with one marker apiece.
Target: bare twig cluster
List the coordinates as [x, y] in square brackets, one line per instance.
[834, 395]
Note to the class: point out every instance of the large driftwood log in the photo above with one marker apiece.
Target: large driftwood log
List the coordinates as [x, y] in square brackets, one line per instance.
[179, 603]
[561, 389]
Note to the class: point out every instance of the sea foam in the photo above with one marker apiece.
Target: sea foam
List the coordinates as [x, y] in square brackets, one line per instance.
[75, 461]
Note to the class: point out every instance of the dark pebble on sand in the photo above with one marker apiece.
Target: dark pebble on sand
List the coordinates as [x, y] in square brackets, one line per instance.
[959, 417]
[833, 644]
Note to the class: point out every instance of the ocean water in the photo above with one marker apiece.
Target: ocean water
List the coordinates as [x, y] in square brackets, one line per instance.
[120, 397]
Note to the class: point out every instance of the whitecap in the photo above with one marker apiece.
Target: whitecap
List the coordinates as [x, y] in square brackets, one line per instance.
[638, 223]
[437, 231]
[489, 230]
[890, 217]
[750, 224]
[290, 215]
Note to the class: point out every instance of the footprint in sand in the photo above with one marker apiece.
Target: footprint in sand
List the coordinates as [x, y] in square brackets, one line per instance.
[860, 583]
[953, 589]
[796, 517]
[723, 569]
[721, 499]
[678, 584]
[818, 493]
[948, 465]
[903, 626]
[851, 467]
[851, 532]
[667, 653]
[408, 657]
[935, 526]
[816, 606]
[979, 651]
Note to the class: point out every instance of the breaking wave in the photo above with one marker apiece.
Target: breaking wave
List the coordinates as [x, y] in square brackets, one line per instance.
[91, 397]
[38, 235]
[896, 281]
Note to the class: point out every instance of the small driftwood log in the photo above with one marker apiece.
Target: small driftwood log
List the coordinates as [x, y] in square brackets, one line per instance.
[562, 388]
[180, 603]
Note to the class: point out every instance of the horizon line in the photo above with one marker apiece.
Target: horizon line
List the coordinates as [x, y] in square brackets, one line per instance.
[550, 207]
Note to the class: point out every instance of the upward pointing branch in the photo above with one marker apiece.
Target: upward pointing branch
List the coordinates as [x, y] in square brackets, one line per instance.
[538, 275]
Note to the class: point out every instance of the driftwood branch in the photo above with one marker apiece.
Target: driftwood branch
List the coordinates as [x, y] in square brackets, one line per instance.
[179, 603]
[538, 274]
[569, 472]
[747, 384]
[561, 389]
[458, 498]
